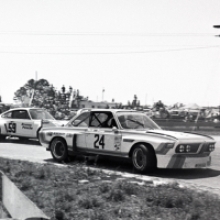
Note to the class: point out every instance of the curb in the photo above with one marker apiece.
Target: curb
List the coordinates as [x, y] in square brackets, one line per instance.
[17, 204]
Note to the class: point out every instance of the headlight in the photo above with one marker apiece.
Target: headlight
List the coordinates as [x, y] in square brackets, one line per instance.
[211, 147]
[188, 148]
[181, 148]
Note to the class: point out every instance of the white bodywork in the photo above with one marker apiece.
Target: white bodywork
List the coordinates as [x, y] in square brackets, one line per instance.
[118, 141]
[24, 125]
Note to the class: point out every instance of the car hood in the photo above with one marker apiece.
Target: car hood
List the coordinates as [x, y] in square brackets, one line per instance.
[182, 136]
[54, 123]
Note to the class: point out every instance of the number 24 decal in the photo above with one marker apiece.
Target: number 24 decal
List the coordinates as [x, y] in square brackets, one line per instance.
[99, 142]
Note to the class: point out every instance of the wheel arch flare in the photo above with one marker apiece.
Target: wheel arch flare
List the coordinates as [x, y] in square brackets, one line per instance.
[60, 137]
[150, 148]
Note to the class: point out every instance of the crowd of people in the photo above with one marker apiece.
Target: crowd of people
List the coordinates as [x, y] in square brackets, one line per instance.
[190, 112]
[61, 111]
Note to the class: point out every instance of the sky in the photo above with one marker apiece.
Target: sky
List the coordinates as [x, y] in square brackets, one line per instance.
[157, 49]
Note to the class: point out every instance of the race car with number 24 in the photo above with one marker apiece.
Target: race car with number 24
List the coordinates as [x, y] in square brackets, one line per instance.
[130, 134]
[25, 123]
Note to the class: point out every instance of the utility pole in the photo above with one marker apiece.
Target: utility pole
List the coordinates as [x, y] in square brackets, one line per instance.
[103, 91]
[217, 26]
[33, 90]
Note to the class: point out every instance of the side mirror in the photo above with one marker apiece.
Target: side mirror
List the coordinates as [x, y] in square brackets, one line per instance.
[45, 121]
[75, 123]
[115, 130]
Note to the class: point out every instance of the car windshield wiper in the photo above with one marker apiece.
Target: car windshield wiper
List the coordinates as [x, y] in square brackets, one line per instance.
[139, 123]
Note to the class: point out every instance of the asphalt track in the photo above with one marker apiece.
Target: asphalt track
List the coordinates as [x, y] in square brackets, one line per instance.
[203, 178]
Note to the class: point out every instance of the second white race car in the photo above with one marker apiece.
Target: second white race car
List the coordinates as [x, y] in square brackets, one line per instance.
[26, 123]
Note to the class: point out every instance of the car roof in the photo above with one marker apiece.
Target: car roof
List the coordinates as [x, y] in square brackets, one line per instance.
[107, 110]
[24, 108]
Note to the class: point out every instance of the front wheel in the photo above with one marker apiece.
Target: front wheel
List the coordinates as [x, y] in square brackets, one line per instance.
[142, 159]
[59, 150]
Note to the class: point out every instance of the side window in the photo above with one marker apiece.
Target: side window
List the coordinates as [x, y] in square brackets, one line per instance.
[20, 114]
[7, 115]
[101, 119]
[81, 121]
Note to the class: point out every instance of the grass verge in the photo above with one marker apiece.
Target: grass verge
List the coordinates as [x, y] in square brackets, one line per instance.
[66, 193]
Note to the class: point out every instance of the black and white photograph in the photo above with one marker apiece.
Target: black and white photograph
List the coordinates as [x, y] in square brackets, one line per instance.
[109, 110]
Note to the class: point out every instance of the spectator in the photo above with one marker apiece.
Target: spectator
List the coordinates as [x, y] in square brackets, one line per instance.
[158, 105]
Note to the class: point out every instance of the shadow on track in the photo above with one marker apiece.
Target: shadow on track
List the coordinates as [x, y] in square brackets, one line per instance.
[17, 141]
[125, 165]
[185, 174]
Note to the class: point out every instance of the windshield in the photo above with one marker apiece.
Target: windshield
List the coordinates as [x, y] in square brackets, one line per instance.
[39, 114]
[136, 120]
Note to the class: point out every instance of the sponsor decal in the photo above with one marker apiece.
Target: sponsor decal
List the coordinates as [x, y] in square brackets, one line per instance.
[117, 146]
[201, 165]
[26, 126]
[69, 135]
[117, 142]
[49, 134]
[57, 133]
[53, 133]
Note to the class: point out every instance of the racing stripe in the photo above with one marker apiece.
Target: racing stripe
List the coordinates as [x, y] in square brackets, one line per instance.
[162, 149]
[6, 129]
[176, 161]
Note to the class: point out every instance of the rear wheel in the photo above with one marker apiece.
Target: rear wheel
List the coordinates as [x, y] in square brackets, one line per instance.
[143, 160]
[59, 150]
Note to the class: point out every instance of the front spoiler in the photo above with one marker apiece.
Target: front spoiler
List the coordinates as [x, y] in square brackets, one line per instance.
[183, 161]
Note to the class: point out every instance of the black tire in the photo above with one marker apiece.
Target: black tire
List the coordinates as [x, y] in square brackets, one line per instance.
[58, 150]
[142, 159]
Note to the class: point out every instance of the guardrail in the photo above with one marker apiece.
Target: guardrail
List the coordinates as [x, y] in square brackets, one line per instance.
[17, 204]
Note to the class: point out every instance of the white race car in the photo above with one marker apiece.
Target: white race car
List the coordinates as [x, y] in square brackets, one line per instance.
[26, 123]
[130, 134]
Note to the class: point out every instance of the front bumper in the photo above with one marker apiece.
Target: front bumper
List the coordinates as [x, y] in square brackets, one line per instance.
[183, 161]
